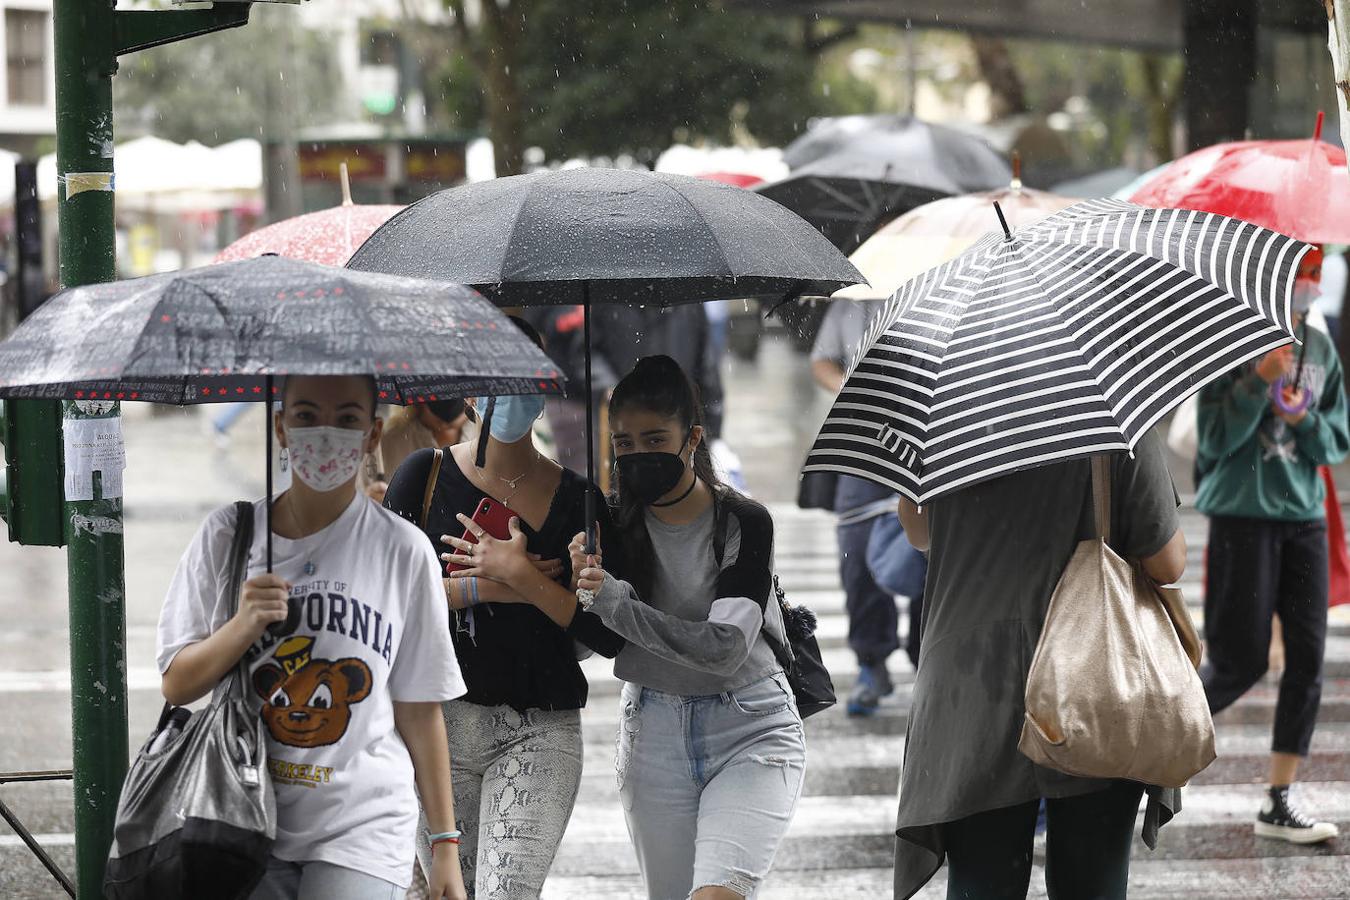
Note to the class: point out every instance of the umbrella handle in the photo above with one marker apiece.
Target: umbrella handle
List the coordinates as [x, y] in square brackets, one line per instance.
[1277, 397]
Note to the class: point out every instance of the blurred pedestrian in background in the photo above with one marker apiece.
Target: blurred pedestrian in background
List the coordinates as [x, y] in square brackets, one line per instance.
[417, 426]
[564, 334]
[1263, 431]
[873, 620]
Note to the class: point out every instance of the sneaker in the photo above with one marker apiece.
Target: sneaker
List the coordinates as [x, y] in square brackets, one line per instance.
[1281, 820]
[873, 683]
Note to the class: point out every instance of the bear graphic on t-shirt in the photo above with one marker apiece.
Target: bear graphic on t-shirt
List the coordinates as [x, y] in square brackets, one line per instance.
[308, 701]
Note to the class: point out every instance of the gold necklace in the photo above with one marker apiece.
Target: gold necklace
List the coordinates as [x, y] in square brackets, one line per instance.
[511, 483]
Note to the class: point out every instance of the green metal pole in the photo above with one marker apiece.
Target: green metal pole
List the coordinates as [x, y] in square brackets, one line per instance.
[86, 58]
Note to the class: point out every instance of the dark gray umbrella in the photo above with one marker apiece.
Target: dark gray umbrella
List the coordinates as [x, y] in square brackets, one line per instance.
[606, 236]
[851, 175]
[584, 236]
[221, 333]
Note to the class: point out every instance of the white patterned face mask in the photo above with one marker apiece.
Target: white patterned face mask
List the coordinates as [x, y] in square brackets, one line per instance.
[325, 458]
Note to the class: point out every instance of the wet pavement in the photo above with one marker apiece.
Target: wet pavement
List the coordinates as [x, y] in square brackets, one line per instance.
[840, 842]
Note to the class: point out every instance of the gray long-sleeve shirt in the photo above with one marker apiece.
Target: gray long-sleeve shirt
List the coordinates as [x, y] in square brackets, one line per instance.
[701, 630]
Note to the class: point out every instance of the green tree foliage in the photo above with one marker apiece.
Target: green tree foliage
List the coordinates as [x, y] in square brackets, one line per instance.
[229, 85]
[632, 76]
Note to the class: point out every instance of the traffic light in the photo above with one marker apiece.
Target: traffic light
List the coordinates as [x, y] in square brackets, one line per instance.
[33, 489]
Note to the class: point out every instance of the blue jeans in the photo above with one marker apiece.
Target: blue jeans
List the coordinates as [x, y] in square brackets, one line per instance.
[709, 783]
[873, 620]
[321, 881]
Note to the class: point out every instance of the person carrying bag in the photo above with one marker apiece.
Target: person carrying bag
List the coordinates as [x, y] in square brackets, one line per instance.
[197, 815]
[997, 554]
[1113, 690]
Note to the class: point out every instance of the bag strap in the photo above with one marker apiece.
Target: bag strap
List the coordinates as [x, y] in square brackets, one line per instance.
[719, 529]
[239, 549]
[1101, 495]
[430, 489]
[781, 651]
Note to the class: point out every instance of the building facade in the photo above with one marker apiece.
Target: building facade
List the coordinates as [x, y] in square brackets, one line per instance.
[28, 78]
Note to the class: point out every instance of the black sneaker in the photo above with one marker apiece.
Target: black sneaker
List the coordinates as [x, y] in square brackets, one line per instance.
[1281, 820]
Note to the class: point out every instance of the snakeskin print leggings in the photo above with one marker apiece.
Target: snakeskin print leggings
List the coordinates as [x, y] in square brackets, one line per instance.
[515, 777]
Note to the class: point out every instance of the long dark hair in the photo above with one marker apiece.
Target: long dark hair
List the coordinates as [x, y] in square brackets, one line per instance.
[658, 385]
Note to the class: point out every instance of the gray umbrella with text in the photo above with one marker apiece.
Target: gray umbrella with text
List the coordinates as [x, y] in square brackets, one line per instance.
[224, 332]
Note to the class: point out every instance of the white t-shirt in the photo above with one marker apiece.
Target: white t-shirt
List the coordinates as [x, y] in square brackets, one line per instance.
[374, 629]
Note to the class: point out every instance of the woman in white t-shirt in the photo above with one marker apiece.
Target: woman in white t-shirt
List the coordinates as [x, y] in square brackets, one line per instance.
[351, 691]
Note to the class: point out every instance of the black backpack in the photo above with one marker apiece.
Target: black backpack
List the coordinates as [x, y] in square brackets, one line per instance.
[800, 657]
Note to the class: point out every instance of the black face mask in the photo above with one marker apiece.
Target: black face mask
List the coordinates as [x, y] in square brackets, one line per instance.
[650, 476]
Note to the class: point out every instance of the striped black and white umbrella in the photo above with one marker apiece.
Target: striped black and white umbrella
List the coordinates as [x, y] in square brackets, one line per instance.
[1070, 337]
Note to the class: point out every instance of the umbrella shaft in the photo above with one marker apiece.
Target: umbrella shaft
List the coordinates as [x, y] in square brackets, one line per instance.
[1302, 354]
[267, 424]
[590, 423]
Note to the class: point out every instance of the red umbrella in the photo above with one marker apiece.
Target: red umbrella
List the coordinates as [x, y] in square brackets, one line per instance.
[328, 237]
[735, 179]
[1299, 188]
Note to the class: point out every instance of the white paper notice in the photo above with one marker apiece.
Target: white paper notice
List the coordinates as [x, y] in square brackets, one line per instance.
[94, 445]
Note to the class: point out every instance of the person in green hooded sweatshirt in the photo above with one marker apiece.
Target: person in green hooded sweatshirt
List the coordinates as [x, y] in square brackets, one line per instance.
[1258, 481]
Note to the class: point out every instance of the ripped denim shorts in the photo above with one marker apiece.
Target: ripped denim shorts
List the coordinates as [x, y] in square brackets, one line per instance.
[709, 783]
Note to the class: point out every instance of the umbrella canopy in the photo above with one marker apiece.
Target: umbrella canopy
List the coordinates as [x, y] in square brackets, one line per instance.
[834, 133]
[935, 232]
[219, 333]
[328, 237]
[849, 192]
[1071, 337]
[1300, 188]
[606, 236]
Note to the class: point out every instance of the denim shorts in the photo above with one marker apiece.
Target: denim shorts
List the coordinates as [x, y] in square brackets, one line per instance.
[709, 783]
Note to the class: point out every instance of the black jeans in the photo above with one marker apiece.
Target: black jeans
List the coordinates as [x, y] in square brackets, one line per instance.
[873, 621]
[1087, 848]
[1256, 568]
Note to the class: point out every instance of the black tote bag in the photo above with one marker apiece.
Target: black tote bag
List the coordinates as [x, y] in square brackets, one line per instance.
[197, 816]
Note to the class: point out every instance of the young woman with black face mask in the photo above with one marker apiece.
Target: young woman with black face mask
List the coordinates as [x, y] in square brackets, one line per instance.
[515, 737]
[711, 752]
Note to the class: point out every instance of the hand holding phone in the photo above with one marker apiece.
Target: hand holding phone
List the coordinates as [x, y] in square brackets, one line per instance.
[494, 518]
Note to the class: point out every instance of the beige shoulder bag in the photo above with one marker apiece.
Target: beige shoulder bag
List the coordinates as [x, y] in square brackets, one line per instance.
[1113, 691]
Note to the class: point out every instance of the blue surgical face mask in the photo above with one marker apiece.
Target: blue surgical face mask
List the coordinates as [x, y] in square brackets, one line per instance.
[513, 416]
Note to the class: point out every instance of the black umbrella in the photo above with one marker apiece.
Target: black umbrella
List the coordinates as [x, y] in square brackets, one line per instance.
[221, 333]
[584, 236]
[851, 175]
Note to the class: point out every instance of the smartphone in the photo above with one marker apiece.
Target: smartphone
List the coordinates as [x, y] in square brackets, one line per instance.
[494, 518]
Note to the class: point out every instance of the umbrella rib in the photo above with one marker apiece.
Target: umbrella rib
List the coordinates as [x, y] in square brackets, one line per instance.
[525, 196]
[1078, 346]
[726, 260]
